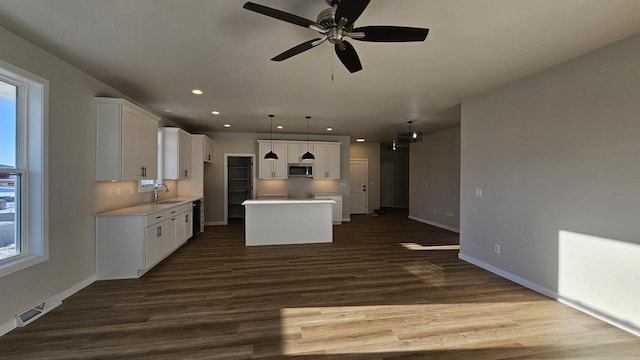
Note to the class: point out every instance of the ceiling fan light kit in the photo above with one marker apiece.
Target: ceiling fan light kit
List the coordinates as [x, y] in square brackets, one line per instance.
[410, 136]
[337, 23]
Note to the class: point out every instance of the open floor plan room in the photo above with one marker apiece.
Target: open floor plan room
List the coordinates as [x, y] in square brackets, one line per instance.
[386, 288]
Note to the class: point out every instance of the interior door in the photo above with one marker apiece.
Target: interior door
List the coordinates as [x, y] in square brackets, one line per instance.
[358, 180]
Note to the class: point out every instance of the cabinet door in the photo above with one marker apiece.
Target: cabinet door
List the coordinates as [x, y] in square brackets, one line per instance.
[265, 167]
[131, 147]
[280, 165]
[187, 220]
[320, 164]
[294, 153]
[208, 150]
[153, 244]
[184, 157]
[332, 166]
[149, 148]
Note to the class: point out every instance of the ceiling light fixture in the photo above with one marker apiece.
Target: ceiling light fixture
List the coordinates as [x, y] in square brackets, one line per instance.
[214, 112]
[329, 129]
[227, 125]
[271, 155]
[279, 127]
[410, 136]
[308, 155]
[197, 92]
[360, 140]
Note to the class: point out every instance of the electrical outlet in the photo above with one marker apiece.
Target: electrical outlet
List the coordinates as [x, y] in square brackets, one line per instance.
[448, 213]
[118, 191]
[479, 192]
[109, 192]
[496, 248]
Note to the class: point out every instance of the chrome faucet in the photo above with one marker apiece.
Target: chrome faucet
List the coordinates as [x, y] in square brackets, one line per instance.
[155, 191]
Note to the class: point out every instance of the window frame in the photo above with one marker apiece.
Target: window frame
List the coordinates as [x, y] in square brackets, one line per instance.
[32, 110]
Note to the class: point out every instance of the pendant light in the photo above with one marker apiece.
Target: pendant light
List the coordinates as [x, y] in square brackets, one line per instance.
[271, 155]
[308, 155]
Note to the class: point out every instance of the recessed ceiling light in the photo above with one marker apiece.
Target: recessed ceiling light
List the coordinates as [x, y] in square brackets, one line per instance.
[360, 140]
[167, 110]
[329, 129]
[197, 91]
[279, 127]
[215, 112]
[227, 125]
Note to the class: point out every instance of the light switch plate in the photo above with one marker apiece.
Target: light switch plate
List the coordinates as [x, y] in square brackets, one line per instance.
[479, 192]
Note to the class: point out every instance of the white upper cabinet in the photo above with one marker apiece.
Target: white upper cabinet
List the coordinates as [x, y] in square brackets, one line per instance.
[327, 162]
[272, 169]
[208, 149]
[127, 141]
[177, 153]
[296, 150]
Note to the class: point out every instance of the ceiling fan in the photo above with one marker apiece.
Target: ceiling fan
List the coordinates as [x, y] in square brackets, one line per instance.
[337, 23]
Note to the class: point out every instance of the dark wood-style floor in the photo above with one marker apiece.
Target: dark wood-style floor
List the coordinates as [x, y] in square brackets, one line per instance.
[365, 296]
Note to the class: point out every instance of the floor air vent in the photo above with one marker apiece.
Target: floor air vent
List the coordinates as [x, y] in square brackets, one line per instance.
[34, 312]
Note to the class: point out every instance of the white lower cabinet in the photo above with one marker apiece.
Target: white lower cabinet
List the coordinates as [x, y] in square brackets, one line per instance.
[128, 245]
[336, 208]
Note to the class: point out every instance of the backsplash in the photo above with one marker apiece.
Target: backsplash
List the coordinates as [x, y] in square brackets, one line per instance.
[115, 195]
[298, 188]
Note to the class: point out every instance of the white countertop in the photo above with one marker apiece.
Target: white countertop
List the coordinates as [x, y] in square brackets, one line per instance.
[287, 202]
[150, 207]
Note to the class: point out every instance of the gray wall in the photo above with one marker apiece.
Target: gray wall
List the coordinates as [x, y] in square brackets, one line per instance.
[557, 153]
[371, 152]
[434, 179]
[400, 160]
[246, 143]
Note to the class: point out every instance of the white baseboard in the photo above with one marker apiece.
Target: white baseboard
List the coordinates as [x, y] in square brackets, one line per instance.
[11, 324]
[346, 219]
[77, 287]
[550, 293]
[442, 226]
[7, 326]
[214, 223]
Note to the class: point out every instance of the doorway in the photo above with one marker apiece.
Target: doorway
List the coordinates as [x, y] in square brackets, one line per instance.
[239, 184]
[358, 180]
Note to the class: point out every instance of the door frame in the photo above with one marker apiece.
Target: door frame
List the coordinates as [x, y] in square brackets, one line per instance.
[366, 198]
[226, 180]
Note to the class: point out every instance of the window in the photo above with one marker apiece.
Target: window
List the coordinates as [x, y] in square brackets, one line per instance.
[23, 175]
[11, 174]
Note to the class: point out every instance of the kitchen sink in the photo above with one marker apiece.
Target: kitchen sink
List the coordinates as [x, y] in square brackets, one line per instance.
[170, 202]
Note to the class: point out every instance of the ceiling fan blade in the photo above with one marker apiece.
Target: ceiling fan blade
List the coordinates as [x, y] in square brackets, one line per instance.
[391, 33]
[280, 15]
[298, 49]
[350, 9]
[349, 57]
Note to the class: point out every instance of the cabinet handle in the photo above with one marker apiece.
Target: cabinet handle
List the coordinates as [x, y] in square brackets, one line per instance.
[159, 231]
[186, 172]
[186, 218]
[173, 212]
[142, 171]
[209, 156]
[158, 217]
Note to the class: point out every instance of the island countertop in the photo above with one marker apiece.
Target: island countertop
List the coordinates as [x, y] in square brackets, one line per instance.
[287, 201]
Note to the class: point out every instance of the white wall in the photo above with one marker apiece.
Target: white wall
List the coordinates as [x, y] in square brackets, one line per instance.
[557, 158]
[246, 143]
[434, 179]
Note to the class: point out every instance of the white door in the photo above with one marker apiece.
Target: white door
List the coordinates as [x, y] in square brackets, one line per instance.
[386, 184]
[358, 169]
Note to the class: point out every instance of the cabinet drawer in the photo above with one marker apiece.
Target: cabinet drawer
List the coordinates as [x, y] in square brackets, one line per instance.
[158, 217]
[184, 208]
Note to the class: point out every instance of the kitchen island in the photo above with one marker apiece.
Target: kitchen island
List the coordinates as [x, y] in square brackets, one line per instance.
[277, 222]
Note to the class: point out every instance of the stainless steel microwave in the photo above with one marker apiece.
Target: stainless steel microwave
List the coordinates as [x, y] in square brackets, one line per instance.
[301, 170]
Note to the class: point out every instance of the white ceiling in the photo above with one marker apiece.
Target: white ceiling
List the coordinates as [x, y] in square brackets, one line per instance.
[156, 51]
